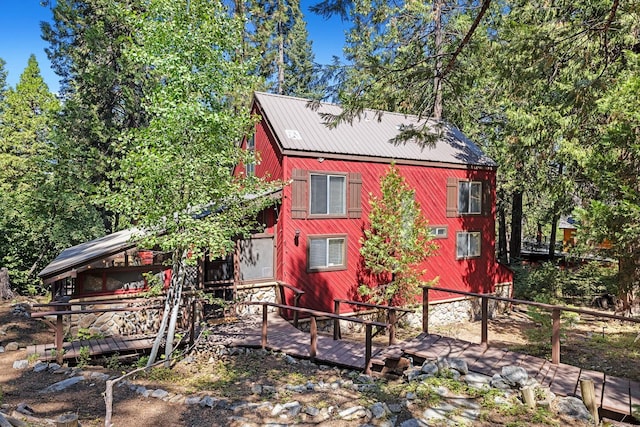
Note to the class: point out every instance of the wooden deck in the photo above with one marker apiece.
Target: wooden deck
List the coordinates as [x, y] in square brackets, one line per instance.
[282, 336]
[616, 395]
[97, 347]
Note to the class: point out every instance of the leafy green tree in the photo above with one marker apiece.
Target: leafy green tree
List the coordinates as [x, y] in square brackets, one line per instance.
[397, 242]
[175, 177]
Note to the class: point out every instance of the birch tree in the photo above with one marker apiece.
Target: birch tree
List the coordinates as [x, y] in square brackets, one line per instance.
[175, 177]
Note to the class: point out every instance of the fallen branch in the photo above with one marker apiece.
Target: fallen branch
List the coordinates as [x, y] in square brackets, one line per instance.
[108, 393]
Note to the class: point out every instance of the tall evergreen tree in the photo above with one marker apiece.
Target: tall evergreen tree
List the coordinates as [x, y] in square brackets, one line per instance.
[36, 220]
[402, 56]
[277, 35]
[102, 90]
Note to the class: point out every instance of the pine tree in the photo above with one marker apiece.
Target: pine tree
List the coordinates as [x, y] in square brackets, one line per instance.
[277, 35]
[396, 242]
[102, 90]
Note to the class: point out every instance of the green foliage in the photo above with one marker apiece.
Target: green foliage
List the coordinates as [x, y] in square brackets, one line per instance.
[176, 173]
[278, 41]
[396, 243]
[28, 229]
[551, 283]
[84, 357]
[113, 362]
[85, 334]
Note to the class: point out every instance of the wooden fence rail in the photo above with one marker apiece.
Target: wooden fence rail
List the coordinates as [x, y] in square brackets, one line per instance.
[314, 314]
[392, 317]
[556, 311]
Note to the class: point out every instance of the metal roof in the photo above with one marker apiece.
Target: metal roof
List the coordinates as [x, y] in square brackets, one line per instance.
[301, 129]
[87, 252]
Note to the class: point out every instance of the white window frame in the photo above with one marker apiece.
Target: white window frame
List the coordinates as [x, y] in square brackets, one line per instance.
[250, 168]
[464, 248]
[439, 231]
[327, 266]
[327, 211]
[466, 194]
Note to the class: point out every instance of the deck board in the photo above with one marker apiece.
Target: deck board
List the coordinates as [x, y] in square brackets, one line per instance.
[616, 394]
[565, 380]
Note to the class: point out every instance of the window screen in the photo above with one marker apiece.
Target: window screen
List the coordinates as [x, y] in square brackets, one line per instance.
[328, 194]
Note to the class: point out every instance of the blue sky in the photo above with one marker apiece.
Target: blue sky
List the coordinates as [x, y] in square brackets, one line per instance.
[20, 37]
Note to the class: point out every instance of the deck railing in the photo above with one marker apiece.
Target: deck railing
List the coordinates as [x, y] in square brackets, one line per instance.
[61, 309]
[392, 316]
[555, 310]
[280, 297]
[313, 331]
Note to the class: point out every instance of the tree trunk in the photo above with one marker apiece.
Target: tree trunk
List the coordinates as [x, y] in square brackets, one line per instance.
[554, 235]
[177, 298]
[5, 288]
[502, 235]
[437, 78]
[168, 303]
[554, 221]
[515, 246]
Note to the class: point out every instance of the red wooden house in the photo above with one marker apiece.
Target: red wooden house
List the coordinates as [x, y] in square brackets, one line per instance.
[318, 225]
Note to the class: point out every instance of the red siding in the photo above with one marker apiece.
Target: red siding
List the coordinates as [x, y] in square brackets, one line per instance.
[477, 275]
[430, 183]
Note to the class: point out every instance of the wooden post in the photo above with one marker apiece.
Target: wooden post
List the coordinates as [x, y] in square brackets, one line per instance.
[59, 335]
[393, 318]
[264, 326]
[485, 322]
[296, 303]
[425, 310]
[336, 322]
[367, 354]
[555, 339]
[192, 329]
[67, 420]
[529, 397]
[314, 339]
[108, 400]
[588, 392]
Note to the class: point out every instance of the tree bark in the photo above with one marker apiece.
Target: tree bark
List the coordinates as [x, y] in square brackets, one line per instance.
[502, 235]
[177, 258]
[515, 246]
[177, 298]
[5, 287]
[437, 79]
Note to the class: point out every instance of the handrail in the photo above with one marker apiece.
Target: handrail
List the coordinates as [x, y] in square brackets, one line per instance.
[297, 294]
[554, 309]
[391, 316]
[313, 347]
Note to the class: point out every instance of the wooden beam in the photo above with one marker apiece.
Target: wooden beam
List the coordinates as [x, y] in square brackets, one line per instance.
[555, 339]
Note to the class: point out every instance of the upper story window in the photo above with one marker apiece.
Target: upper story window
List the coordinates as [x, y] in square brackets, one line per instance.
[469, 197]
[250, 168]
[328, 194]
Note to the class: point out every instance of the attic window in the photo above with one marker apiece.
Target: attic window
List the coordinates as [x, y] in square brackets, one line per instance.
[293, 134]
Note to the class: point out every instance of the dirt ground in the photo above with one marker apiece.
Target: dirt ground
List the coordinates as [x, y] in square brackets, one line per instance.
[231, 380]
